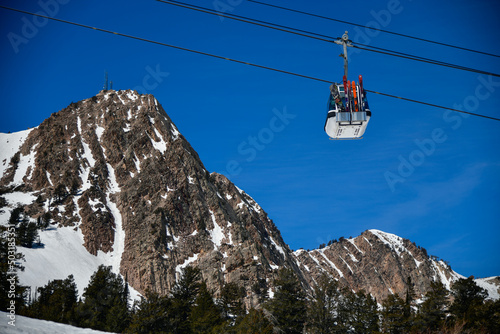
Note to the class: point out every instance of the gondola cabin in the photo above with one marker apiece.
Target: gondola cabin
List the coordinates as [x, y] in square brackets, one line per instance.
[348, 114]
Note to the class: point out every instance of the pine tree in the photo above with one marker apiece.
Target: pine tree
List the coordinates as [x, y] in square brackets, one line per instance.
[255, 322]
[432, 311]
[230, 302]
[491, 316]
[468, 301]
[366, 316]
[26, 231]
[152, 314]
[322, 312]
[56, 301]
[205, 317]
[393, 318]
[184, 296]
[409, 303]
[288, 307]
[104, 301]
[15, 215]
[60, 193]
[357, 313]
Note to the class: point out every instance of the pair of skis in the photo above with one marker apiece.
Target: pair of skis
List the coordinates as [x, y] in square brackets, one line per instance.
[350, 91]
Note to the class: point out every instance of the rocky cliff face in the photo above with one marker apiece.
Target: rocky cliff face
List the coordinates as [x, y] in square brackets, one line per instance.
[378, 262]
[116, 169]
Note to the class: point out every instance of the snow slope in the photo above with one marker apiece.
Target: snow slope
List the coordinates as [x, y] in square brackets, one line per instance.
[62, 252]
[29, 325]
[487, 284]
[9, 145]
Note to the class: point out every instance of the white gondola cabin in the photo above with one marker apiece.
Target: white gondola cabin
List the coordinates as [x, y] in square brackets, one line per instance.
[347, 117]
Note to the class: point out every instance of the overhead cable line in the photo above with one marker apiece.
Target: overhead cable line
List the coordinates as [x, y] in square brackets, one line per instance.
[234, 60]
[320, 37]
[377, 29]
[422, 59]
[245, 19]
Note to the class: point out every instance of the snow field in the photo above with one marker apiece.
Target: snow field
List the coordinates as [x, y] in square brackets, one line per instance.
[29, 326]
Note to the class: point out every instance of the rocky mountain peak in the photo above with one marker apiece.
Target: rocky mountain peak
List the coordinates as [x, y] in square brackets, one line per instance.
[116, 168]
[379, 262]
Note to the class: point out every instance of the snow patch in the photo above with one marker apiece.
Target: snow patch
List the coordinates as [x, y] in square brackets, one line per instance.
[492, 289]
[94, 205]
[270, 293]
[119, 241]
[441, 276]
[217, 233]
[229, 234]
[278, 247]
[392, 240]
[132, 95]
[10, 144]
[137, 163]
[30, 325]
[175, 132]
[178, 268]
[121, 100]
[19, 198]
[159, 145]
[87, 152]
[352, 242]
[99, 131]
[347, 264]
[25, 161]
[369, 243]
[321, 251]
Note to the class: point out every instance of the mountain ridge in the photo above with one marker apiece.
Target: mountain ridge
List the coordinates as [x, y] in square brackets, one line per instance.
[115, 170]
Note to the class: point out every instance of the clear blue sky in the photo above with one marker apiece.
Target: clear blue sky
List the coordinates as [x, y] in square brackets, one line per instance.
[422, 173]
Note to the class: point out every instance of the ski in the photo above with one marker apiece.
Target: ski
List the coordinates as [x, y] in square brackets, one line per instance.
[362, 93]
[354, 96]
[346, 93]
[362, 96]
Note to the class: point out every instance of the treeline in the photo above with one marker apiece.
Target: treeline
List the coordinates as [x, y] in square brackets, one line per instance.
[104, 304]
[192, 308]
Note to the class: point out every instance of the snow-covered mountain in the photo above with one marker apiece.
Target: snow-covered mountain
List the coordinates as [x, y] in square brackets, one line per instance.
[122, 187]
[381, 263]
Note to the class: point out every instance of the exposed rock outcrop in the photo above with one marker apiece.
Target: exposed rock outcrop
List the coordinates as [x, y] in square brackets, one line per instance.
[118, 158]
[378, 262]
